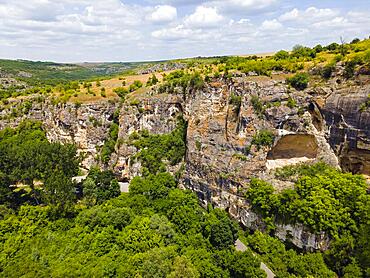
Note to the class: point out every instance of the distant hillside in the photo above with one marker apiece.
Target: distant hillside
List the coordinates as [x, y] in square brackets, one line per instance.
[52, 73]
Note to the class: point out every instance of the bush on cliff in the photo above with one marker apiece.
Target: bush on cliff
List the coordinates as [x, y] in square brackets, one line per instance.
[154, 149]
[263, 138]
[299, 81]
[323, 199]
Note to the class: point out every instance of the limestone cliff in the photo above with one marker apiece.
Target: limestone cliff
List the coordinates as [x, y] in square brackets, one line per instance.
[322, 123]
[349, 128]
[85, 125]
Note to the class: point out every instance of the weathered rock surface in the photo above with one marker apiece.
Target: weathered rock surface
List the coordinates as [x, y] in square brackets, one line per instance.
[86, 125]
[217, 167]
[326, 124]
[158, 114]
[349, 128]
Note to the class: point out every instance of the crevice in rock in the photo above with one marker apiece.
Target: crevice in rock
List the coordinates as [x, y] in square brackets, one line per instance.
[294, 145]
[317, 118]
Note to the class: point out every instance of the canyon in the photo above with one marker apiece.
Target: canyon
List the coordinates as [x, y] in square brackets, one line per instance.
[321, 123]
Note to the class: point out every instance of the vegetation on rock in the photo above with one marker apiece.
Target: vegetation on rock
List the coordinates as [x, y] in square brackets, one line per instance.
[299, 81]
[154, 150]
[323, 199]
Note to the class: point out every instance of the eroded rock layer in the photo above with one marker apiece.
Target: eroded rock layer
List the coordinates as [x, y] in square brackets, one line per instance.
[325, 123]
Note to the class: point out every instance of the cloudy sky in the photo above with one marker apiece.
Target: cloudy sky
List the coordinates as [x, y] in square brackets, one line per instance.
[134, 30]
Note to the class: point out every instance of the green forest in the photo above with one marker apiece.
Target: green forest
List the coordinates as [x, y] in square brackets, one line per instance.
[50, 226]
[156, 230]
[53, 226]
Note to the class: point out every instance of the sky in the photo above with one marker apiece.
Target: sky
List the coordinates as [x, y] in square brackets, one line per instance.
[133, 30]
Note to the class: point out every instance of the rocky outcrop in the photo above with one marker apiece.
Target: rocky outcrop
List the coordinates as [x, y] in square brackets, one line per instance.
[157, 114]
[162, 67]
[349, 127]
[319, 124]
[85, 125]
[218, 165]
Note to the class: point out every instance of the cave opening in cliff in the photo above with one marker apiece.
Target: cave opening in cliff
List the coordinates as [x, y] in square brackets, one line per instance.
[294, 146]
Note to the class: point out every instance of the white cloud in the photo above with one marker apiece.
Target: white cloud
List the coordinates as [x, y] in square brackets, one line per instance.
[271, 25]
[310, 14]
[333, 23]
[164, 13]
[244, 20]
[291, 15]
[250, 4]
[71, 30]
[242, 6]
[204, 17]
[175, 33]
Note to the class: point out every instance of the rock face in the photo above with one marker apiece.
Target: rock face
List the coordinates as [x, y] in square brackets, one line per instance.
[158, 114]
[219, 169]
[349, 128]
[86, 125]
[319, 124]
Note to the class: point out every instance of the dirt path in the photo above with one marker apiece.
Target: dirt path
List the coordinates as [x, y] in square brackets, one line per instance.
[240, 246]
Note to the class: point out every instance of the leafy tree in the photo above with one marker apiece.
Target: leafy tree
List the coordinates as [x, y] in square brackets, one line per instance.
[325, 201]
[299, 81]
[362, 247]
[318, 48]
[181, 79]
[183, 268]
[222, 235]
[287, 263]
[135, 86]
[90, 191]
[59, 192]
[100, 186]
[153, 80]
[260, 193]
[245, 265]
[263, 138]
[153, 186]
[121, 92]
[281, 55]
[301, 51]
[26, 156]
[333, 46]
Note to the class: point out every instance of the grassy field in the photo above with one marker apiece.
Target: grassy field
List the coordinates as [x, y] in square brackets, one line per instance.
[36, 73]
[95, 91]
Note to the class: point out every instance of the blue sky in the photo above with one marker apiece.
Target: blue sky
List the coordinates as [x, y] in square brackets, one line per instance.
[129, 30]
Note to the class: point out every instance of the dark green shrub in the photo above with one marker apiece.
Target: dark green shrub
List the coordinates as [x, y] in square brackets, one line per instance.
[121, 92]
[258, 105]
[333, 46]
[327, 70]
[236, 101]
[299, 81]
[263, 138]
[349, 69]
[318, 48]
[281, 55]
[135, 86]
